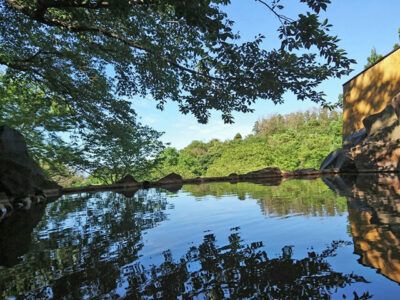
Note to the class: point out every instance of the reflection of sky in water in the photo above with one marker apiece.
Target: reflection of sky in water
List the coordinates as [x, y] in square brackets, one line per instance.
[130, 235]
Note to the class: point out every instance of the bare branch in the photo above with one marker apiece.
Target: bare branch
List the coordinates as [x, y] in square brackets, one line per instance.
[280, 17]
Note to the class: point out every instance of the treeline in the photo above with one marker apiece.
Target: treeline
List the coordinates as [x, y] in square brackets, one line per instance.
[289, 142]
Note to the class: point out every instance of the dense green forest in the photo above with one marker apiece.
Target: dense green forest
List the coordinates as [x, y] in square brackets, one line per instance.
[292, 141]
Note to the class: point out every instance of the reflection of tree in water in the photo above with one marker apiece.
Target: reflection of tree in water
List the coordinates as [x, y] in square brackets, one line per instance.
[79, 248]
[240, 271]
[304, 197]
[89, 246]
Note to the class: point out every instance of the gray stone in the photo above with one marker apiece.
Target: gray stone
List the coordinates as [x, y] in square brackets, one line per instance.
[20, 175]
[266, 172]
[127, 179]
[354, 139]
[377, 122]
[11, 141]
[378, 155]
[172, 177]
[338, 160]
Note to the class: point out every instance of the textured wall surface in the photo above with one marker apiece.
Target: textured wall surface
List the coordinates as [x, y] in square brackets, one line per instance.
[370, 92]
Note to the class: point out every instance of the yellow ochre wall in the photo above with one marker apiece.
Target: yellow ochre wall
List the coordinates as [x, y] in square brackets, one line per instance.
[370, 92]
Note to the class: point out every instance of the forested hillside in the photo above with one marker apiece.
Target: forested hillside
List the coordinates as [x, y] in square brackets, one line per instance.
[293, 141]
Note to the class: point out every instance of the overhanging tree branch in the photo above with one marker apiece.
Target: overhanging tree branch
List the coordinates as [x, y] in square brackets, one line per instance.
[39, 15]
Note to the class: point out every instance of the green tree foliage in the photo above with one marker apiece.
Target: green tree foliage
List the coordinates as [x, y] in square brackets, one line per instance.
[119, 150]
[373, 58]
[238, 136]
[84, 52]
[292, 141]
[64, 142]
[396, 45]
[27, 108]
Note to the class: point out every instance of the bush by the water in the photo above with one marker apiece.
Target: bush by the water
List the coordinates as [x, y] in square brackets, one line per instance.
[289, 142]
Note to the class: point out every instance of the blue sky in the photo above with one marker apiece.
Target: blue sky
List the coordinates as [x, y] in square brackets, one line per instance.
[360, 24]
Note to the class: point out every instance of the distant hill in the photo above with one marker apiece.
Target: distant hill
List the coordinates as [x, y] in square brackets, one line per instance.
[289, 142]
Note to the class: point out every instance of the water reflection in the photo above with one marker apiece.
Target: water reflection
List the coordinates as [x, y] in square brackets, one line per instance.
[15, 233]
[374, 215]
[80, 245]
[293, 197]
[238, 271]
[94, 245]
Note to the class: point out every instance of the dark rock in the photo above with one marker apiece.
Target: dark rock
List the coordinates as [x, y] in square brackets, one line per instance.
[49, 185]
[354, 139]
[127, 179]
[20, 175]
[11, 141]
[266, 172]
[377, 156]
[173, 177]
[377, 122]
[338, 160]
[145, 184]
[305, 171]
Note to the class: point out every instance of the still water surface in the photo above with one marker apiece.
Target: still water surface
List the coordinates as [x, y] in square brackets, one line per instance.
[297, 239]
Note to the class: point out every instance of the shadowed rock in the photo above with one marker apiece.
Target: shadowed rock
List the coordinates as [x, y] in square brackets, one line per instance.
[375, 148]
[338, 160]
[20, 176]
[127, 179]
[173, 177]
[266, 172]
[377, 122]
[354, 139]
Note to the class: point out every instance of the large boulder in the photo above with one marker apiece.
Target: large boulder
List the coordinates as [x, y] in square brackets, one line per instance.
[339, 160]
[375, 148]
[20, 175]
[128, 179]
[374, 156]
[380, 150]
[171, 178]
[376, 123]
[354, 139]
